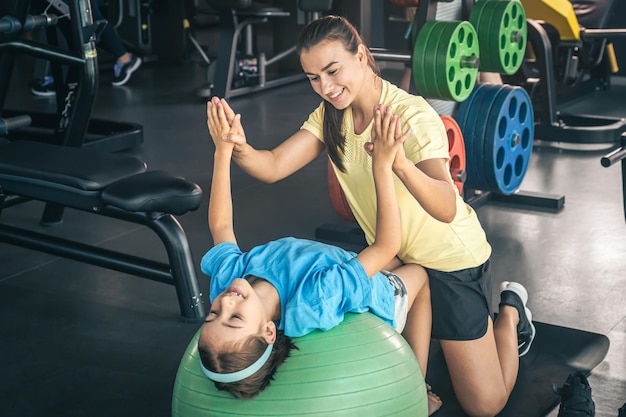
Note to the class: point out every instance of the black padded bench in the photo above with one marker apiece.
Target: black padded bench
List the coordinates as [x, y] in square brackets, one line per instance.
[112, 185]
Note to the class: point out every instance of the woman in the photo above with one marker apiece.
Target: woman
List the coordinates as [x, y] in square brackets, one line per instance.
[439, 230]
[289, 287]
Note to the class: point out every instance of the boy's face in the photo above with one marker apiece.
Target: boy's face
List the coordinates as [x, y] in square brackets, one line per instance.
[236, 314]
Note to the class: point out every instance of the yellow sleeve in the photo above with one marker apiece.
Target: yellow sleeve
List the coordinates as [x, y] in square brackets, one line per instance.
[315, 122]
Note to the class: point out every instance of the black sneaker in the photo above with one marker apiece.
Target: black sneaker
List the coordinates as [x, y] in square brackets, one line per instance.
[122, 72]
[622, 411]
[44, 88]
[576, 398]
[514, 294]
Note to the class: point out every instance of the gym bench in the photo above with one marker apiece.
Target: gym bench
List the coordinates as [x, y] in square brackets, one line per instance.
[113, 185]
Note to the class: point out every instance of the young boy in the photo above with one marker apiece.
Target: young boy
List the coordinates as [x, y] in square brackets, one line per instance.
[290, 287]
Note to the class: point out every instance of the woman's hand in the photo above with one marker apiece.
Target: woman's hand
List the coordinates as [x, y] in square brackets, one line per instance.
[387, 134]
[222, 125]
[224, 118]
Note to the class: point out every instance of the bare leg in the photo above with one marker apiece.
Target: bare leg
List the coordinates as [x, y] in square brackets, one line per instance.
[405, 82]
[490, 77]
[483, 371]
[124, 58]
[419, 320]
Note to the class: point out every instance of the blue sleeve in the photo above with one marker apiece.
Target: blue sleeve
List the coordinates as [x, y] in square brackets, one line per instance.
[221, 263]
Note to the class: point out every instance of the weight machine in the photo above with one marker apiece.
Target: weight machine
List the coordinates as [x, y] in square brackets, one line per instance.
[565, 60]
[75, 72]
[237, 71]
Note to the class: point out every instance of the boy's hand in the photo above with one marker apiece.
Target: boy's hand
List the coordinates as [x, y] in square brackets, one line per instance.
[221, 128]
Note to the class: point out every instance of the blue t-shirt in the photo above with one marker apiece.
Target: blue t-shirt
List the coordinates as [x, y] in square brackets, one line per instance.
[317, 283]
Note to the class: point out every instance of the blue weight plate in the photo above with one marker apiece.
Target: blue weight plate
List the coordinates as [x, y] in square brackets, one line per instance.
[466, 107]
[466, 119]
[475, 124]
[508, 140]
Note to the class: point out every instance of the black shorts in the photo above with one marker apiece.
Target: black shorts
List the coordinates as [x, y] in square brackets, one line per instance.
[461, 302]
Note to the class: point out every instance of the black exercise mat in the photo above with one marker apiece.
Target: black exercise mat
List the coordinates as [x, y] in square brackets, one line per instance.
[556, 352]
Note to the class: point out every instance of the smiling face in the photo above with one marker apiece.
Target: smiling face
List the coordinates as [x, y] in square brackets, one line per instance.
[236, 314]
[335, 73]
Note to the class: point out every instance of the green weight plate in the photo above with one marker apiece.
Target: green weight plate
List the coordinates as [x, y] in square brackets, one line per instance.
[489, 35]
[511, 38]
[476, 18]
[455, 79]
[460, 77]
[502, 33]
[467, 72]
[421, 77]
[438, 60]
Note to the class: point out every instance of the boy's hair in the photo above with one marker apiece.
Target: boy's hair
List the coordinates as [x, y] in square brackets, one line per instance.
[334, 28]
[240, 356]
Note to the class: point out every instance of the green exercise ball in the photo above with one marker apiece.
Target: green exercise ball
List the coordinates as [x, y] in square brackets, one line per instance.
[362, 367]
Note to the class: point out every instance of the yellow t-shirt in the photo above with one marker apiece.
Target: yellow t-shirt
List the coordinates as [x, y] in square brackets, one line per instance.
[426, 241]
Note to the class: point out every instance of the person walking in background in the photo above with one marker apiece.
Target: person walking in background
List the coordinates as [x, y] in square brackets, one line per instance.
[125, 65]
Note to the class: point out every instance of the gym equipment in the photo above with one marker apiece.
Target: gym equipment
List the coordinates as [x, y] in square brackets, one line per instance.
[235, 73]
[75, 71]
[151, 29]
[86, 178]
[445, 60]
[565, 60]
[497, 124]
[456, 149]
[556, 352]
[617, 155]
[361, 367]
[447, 55]
[112, 185]
[501, 27]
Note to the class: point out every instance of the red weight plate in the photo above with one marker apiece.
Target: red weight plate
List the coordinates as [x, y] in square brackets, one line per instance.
[337, 197]
[456, 149]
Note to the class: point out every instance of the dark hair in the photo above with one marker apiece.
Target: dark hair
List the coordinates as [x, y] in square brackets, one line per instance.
[241, 355]
[334, 28]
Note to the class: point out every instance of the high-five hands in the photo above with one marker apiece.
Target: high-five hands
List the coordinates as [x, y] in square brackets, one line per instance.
[387, 138]
[224, 125]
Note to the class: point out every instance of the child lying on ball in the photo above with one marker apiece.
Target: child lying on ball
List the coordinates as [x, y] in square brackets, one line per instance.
[289, 287]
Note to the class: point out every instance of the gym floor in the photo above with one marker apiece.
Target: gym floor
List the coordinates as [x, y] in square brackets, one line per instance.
[78, 340]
